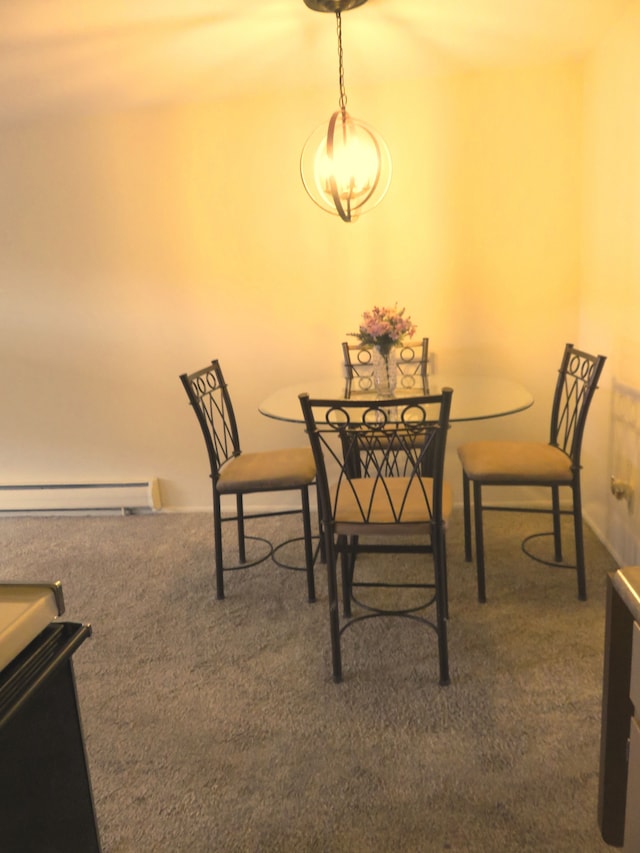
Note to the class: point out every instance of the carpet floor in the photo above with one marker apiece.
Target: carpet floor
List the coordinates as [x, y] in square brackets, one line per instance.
[215, 725]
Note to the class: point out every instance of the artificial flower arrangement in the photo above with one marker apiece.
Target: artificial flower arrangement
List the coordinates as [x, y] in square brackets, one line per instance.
[384, 328]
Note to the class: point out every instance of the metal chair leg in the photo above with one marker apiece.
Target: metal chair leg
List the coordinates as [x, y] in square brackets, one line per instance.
[557, 535]
[334, 615]
[579, 537]
[440, 569]
[466, 506]
[242, 556]
[217, 544]
[445, 579]
[346, 570]
[308, 545]
[477, 509]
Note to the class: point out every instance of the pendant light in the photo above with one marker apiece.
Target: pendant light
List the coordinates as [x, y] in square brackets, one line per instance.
[345, 165]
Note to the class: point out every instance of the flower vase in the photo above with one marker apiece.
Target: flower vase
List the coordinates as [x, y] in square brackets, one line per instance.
[385, 375]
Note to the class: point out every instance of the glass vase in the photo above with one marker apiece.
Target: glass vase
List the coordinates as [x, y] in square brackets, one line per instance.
[385, 372]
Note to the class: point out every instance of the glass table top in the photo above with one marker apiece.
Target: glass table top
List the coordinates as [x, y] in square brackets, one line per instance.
[474, 397]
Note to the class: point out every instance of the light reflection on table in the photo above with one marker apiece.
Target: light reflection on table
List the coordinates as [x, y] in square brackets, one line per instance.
[474, 397]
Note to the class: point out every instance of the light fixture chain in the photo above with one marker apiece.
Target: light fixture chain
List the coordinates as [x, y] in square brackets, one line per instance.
[343, 93]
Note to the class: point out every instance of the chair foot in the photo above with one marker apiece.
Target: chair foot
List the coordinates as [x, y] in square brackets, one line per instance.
[445, 682]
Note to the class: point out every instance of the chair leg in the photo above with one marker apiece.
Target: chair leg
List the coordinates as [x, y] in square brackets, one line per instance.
[353, 556]
[308, 544]
[466, 505]
[440, 570]
[217, 545]
[346, 570]
[579, 537]
[477, 509]
[242, 557]
[334, 615]
[557, 535]
[323, 558]
[445, 575]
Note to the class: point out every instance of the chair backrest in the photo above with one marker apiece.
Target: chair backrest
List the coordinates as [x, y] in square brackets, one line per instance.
[370, 458]
[412, 360]
[209, 396]
[577, 382]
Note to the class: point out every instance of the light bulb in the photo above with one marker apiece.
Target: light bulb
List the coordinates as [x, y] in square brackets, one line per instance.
[346, 167]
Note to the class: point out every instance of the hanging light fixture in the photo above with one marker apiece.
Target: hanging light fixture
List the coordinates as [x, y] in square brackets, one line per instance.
[345, 166]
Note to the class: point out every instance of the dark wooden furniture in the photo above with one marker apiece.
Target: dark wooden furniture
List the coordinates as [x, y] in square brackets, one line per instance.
[46, 801]
[618, 803]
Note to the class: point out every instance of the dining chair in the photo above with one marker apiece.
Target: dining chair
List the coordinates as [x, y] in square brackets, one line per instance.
[364, 509]
[234, 472]
[555, 465]
[412, 362]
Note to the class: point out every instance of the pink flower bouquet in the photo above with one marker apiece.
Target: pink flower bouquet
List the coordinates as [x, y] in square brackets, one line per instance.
[384, 328]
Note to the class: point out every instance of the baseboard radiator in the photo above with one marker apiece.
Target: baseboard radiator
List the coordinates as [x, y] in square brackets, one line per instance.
[123, 496]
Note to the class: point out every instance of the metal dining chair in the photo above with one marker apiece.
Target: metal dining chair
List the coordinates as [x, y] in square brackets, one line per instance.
[356, 445]
[555, 464]
[412, 362]
[234, 472]
[412, 365]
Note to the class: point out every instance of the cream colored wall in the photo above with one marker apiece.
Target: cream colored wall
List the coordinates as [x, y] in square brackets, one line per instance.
[610, 297]
[136, 246]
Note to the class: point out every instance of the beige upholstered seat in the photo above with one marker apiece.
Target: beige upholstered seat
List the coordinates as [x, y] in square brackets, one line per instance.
[374, 497]
[267, 471]
[500, 462]
[555, 464]
[403, 503]
[234, 472]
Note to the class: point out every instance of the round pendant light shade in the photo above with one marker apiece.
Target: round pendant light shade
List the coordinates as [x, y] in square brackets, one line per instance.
[346, 167]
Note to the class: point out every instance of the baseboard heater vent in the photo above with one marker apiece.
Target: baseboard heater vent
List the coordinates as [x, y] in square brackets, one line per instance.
[137, 495]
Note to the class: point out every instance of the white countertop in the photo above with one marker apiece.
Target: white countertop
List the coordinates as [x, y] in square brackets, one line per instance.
[627, 582]
[25, 610]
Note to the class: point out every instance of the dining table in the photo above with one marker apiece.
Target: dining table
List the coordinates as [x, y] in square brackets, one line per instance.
[475, 397]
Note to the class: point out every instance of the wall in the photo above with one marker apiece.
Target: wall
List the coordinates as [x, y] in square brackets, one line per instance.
[136, 246]
[610, 295]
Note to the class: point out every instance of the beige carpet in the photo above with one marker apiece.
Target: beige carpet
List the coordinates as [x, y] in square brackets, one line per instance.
[215, 726]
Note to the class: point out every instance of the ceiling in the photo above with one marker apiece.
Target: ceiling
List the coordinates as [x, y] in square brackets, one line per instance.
[92, 55]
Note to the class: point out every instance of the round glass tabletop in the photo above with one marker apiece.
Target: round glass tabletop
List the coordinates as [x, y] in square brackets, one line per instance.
[474, 397]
